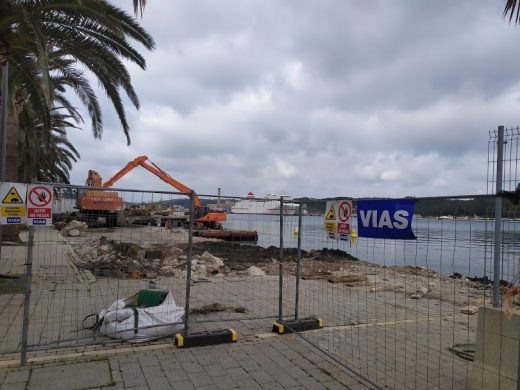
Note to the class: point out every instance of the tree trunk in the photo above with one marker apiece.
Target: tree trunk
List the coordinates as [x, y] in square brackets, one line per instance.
[10, 232]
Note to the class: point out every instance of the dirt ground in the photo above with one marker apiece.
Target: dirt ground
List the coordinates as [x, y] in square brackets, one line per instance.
[154, 251]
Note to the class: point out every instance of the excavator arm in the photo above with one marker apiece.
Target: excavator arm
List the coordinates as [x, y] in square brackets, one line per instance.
[153, 168]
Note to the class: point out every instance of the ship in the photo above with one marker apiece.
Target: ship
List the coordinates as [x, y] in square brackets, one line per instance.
[270, 205]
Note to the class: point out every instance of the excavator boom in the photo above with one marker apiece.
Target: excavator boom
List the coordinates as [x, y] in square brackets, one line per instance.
[203, 215]
[153, 168]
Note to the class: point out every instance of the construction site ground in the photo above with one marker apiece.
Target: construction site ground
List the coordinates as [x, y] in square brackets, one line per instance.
[372, 322]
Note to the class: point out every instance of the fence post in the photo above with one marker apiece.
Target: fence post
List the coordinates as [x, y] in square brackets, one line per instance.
[498, 218]
[27, 296]
[298, 263]
[188, 265]
[280, 268]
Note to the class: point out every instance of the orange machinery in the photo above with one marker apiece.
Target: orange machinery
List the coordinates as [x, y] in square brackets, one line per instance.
[109, 203]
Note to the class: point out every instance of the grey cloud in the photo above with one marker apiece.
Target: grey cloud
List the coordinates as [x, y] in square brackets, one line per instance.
[318, 98]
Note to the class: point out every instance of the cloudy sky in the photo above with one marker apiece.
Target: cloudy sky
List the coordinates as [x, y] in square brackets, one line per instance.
[316, 98]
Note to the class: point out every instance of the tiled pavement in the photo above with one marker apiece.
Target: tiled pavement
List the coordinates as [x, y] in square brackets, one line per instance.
[277, 362]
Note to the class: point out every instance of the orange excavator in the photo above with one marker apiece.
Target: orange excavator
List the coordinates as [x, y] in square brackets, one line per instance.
[108, 204]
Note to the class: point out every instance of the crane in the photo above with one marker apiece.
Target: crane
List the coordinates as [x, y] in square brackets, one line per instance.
[202, 213]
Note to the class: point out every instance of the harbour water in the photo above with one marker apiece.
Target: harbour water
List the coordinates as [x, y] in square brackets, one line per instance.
[444, 246]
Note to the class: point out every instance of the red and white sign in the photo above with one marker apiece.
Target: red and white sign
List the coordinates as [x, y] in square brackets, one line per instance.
[343, 228]
[345, 210]
[39, 205]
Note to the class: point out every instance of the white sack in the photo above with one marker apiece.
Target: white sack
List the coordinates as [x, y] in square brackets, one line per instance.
[119, 320]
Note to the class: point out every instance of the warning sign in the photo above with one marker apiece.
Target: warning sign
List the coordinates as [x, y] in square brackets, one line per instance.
[330, 227]
[12, 209]
[13, 197]
[331, 215]
[39, 206]
[343, 228]
[345, 210]
[338, 227]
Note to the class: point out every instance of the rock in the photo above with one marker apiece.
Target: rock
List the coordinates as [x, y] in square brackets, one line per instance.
[175, 252]
[104, 248]
[73, 233]
[209, 259]
[469, 309]
[151, 275]
[424, 290]
[420, 293]
[167, 270]
[255, 271]
[349, 279]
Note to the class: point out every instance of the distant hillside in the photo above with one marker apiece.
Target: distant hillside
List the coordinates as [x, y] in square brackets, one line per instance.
[428, 208]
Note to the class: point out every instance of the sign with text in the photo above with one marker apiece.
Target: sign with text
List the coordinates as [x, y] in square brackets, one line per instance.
[39, 205]
[337, 219]
[12, 209]
[386, 218]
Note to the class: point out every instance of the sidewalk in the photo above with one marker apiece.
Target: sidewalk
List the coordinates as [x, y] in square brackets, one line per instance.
[273, 362]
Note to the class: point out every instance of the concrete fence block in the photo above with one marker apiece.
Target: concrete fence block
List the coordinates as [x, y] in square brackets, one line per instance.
[497, 351]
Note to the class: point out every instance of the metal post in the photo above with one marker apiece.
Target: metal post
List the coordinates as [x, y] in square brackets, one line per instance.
[280, 273]
[498, 218]
[298, 263]
[3, 128]
[3, 121]
[188, 264]
[27, 296]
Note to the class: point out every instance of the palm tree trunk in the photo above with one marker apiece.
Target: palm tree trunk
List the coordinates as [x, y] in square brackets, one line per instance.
[10, 232]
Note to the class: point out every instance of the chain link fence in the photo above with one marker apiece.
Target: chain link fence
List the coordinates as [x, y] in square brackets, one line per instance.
[401, 314]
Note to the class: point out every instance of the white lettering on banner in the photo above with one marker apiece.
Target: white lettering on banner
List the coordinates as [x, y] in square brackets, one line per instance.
[369, 218]
[401, 221]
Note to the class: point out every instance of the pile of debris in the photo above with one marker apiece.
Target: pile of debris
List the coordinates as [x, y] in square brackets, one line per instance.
[107, 257]
[73, 229]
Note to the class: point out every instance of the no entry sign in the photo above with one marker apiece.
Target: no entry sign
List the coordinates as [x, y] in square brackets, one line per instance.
[39, 205]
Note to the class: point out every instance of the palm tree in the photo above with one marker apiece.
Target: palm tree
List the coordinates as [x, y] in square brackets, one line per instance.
[139, 6]
[512, 8]
[89, 33]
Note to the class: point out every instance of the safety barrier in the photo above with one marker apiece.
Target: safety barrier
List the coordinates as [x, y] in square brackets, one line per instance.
[392, 289]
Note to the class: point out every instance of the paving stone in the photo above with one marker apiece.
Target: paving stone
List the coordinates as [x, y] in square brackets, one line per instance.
[186, 385]
[71, 376]
[248, 384]
[200, 379]
[261, 376]
[17, 376]
[159, 384]
[16, 386]
[226, 382]
[214, 370]
[148, 360]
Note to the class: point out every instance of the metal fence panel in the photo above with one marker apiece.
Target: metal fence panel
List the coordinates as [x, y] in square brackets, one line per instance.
[403, 314]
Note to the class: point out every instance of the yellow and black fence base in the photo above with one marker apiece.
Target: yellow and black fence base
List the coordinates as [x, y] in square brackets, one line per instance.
[299, 325]
[206, 338]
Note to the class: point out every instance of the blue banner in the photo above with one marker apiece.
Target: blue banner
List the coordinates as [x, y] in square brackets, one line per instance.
[386, 218]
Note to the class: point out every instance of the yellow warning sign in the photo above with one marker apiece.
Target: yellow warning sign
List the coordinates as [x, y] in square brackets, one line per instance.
[12, 211]
[330, 227]
[13, 197]
[331, 215]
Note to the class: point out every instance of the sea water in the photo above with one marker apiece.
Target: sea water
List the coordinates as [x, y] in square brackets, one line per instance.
[445, 246]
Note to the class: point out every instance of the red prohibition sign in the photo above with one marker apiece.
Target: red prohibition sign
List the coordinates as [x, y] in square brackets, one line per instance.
[40, 196]
[344, 211]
